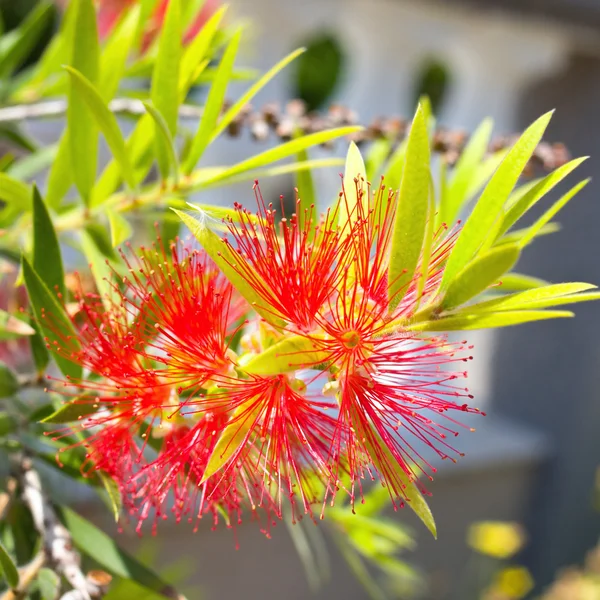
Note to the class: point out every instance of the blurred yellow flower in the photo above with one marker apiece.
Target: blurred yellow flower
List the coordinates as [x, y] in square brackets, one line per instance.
[496, 538]
[514, 582]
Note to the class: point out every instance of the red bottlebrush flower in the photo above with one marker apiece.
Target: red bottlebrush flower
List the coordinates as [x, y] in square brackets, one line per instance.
[293, 265]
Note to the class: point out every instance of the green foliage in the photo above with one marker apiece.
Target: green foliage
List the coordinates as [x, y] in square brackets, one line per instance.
[8, 568]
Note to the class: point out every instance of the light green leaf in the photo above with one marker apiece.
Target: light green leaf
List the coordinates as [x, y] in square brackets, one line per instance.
[74, 410]
[113, 494]
[165, 78]
[82, 132]
[48, 584]
[515, 282]
[378, 153]
[197, 52]
[99, 266]
[114, 55]
[524, 203]
[15, 193]
[412, 211]
[99, 546]
[47, 259]
[355, 190]
[226, 259]
[12, 327]
[106, 121]
[551, 212]
[245, 99]
[60, 330]
[214, 104]
[464, 173]
[120, 229]
[32, 164]
[8, 569]
[125, 589]
[60, 177]
[307, 201]
[8, 381]
[162, 130]
[290, 354]
[515, 236]
[489, 207]
[478, 275]
[541, 297]
[488, 320]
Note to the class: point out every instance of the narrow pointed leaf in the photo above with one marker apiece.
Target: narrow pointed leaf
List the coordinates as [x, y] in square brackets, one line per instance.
[551, 212]
[542, 297]
[60, 178]
[113, 494]
[306, 192]
[289, 354]
[74, 410]
[106, 121]
[488, 320]
[8, 569]
[479, 275]
[12, 327]
[515, 282]
[120, 229]
[516, 236]
[225, 258]
[47, 260]
[464, 172]
[412, 211]
[489, 206]
[162, 130]
[355, 190]
[165, 79]
[82, 132]
[233, 112]
[52, 320]
[214, 104]
[524, 203]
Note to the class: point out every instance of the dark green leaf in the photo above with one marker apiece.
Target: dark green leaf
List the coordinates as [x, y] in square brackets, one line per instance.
[47, 260]
[412, 211]
[8, 569]
[8, 381]
[7, 423]
[99, 546]
[480, 274]
[54, 323]
[490, 204]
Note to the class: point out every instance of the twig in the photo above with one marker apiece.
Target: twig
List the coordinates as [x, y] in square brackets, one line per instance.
[58, 544]
[26, 576]
[7, 496]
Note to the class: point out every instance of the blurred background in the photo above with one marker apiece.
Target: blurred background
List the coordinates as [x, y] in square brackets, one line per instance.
[534, 458]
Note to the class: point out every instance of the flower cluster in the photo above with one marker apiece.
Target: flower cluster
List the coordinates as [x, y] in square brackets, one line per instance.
[302, 380]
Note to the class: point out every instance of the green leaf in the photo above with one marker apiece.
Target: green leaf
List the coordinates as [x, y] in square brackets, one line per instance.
[74, 410]
[478, 275]
[48, 584]
[525, 202]
[165, 78]
[8, 381]
[114, 55]
[541, 297]
[289, 354]
[40, 354]
[83, 136]
[113, 494]
[551, 212]
[99, 266]
[60, 177]
[16, 45]
[355, 190]
[214, 105]
[125, 589]
[7, 423]
[488, 320]
[378, 153]
[99, 546]
[395, 166]
[225, 258]
[245, 99]
[197, 51]
[489, 207]
[15, 193]
[60, 329]
[31, 165]
[162, 131]
[464, 172]
[515, 282]
[8, 569]
[120, 229]
[412, 211]
[12, 327]
[47, 259]
[282, 151]
[516, 235]
[105, 120]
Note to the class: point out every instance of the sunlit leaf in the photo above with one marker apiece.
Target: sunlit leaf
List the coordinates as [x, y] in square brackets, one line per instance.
[162, 131]
[412, 211]
[113, 494]
[120, 229]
